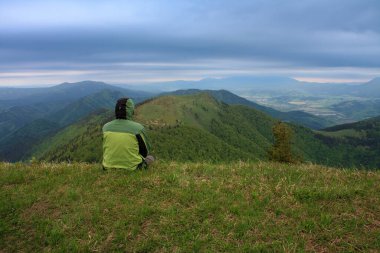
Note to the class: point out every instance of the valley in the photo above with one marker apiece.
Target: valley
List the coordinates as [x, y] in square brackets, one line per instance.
[337, 103]
[339, 109]
[213, 125]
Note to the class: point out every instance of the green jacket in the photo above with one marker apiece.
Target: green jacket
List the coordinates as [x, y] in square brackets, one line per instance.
[124, 143]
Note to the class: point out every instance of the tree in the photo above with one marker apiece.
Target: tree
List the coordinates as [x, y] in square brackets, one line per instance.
[281, 151]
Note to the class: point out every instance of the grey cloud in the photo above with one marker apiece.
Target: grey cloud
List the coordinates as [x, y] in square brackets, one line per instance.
[78, 46]
[308, 33]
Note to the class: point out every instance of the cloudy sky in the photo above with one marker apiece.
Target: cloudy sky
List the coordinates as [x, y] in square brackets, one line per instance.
[49, 42]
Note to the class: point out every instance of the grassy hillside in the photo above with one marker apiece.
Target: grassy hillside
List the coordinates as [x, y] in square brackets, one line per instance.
[183, 128]
[296, 117]
[199, 128]
[187, 128]
[187, 207]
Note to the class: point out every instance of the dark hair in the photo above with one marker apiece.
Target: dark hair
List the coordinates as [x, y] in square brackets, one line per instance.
[120, 108]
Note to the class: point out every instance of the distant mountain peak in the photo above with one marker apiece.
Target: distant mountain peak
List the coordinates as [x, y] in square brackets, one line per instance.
[81, 83]
[375, 80]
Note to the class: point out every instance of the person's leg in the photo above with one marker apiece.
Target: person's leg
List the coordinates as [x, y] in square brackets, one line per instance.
[142, 166]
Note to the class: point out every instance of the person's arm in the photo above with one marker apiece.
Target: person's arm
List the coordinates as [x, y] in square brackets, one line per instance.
[144, 145]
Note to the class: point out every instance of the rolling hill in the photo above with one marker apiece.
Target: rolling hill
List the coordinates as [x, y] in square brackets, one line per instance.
[24, 128]
[104, 99]
[65, 92]
[18, 144]
[363, 135]
[23, 107]
[173, 122]
[295, 117]
[369, 89]
[200, 128]
[358, 110]
[17, 116]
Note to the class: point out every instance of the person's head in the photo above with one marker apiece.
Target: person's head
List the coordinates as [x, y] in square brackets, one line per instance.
[124, 108]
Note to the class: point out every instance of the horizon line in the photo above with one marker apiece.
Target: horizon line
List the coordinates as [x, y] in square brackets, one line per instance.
[137, 83]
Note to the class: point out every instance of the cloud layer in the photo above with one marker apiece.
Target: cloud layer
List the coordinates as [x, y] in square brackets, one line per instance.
[138, 41]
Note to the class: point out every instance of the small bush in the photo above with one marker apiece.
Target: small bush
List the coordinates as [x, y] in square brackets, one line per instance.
[281, 151]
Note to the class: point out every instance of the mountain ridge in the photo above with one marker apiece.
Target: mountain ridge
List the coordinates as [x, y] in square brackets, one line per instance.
[61, 116]
[295, 117]
[198, 128]
[256, 83]
[204, 115]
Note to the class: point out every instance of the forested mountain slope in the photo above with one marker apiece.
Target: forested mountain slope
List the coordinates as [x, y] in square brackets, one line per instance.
[197, 128]
[62, 104]
[363, 135]
[44, 124]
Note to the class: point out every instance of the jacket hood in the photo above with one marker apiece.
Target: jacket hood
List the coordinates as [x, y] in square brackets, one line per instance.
[130, 108]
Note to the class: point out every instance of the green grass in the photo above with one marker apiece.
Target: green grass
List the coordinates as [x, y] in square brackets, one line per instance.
[188, 207]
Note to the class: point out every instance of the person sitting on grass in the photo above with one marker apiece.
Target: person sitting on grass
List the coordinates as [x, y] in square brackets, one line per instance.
[125, 144]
